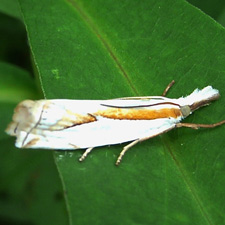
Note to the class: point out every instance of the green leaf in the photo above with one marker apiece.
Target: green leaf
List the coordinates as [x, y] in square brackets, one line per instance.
[11, 8]
[16, 84]
[106, 49]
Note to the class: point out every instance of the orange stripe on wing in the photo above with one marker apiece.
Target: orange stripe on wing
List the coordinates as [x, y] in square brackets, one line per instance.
[72, 119]
[139, 114]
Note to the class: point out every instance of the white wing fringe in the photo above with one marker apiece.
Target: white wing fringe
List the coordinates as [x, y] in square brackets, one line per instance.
[206, 94]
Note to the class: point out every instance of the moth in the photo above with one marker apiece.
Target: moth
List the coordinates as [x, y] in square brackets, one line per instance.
[85, 124]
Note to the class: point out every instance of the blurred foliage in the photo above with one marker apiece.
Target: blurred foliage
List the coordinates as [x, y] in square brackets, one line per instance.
[14, 46]
[213, 8]
[30, 188]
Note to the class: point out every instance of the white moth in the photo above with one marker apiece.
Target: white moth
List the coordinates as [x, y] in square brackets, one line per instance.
[85, 124]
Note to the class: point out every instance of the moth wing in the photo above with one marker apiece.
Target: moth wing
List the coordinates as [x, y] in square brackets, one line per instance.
[99, 133]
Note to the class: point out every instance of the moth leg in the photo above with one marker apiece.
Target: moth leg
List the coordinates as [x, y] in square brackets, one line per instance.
[87, 151]
[119, 159]
[197, 126]
[168, 88]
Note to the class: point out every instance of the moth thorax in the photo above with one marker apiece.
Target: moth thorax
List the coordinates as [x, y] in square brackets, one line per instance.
[185, 110]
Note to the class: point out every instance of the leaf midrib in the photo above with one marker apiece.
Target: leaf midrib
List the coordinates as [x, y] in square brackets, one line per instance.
[188, 182]
[96, 31]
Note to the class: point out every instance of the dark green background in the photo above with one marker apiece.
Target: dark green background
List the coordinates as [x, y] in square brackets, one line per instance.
[106, 49]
